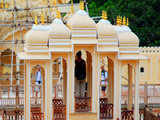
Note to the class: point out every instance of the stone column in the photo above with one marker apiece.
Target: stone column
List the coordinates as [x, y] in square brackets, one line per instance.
[130, 93]
[70, 87]
[0, 64]
[111, 80]
[71, 80]
[17, 79]
[48, 91]
[27, 92]
[145, 93]
[136, 104]
[18, 69]
[117, 89]
[98, 85]
[95, 83]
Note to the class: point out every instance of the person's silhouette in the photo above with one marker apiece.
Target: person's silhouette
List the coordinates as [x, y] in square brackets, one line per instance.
[80, 72]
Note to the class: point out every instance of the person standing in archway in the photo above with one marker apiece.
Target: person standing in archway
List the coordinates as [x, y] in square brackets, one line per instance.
[80, 74]
[104, 81]
[38, 82]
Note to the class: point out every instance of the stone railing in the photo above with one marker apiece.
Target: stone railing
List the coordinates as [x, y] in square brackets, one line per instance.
[127, 115]
[36, 114]
[106, 109]
[12, 101]
[82, 104]
[59, 110]
[13, 115]
[149, 50]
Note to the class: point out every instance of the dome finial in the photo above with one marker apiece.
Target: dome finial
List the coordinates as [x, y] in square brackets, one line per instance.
[82, 5]
[118, 20]
[2, 4]
[127, 22]
[54, 2]
[6, 5]
[124, 20]
[72, 8]
[121, 19]
[104, 15]
[42, 18]
[35, 20]
[58, 14]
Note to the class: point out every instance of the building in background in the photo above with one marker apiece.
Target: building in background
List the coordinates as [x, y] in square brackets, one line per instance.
[46, 35]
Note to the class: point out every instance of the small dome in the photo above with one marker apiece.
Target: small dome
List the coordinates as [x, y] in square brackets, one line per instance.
[59, 30]
[128, 37]
[122, 28]
[105, 28]
[125, 35]
[81, 19]
[38, 34]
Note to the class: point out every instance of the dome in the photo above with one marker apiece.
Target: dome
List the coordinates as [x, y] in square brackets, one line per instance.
[105, 28]
[122, 28]
[59, 30]
[128, 38]
[38, 34]
[81, 19]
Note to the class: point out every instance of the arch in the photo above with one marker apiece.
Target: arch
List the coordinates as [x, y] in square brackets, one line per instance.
[59, 68]
[83, 87]
[37, 88]
[10, 34]
[107, 65]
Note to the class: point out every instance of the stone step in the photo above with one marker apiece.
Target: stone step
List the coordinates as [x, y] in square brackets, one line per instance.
[83, 116]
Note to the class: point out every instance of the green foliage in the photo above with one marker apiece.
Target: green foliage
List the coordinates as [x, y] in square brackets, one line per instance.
[143, 16]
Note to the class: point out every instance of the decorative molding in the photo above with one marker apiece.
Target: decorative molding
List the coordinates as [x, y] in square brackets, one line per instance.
[84, 35]
[108, 43]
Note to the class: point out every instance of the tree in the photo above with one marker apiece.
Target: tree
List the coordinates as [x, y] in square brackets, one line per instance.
[143, 16]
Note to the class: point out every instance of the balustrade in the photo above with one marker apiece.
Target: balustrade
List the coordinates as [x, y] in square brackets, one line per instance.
[127, 115]
[37, 116]
[12, 101]
[13, 115]
[36, 113]
[82, 104]
[59, 110]
[106, 109]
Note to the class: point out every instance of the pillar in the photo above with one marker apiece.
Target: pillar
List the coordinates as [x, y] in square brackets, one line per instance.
[18, 69]
[27, 92]
[145, 93]
[71, 80]
[48, 91]
[130, 93]
[111, 80]
[0, 72]
[95, 83]
[117, 89]
[136, 104]
[0, 64]
[98, 85]
[68, 90]
[17, 79]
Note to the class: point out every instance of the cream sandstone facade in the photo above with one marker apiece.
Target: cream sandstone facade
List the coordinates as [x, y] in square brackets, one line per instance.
[45, 43]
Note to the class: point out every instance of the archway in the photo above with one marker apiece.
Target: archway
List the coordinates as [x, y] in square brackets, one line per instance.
[7, 73]
[106, 87]
[83, 81]
[38, 87]
[59, 82]
[59, 78]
